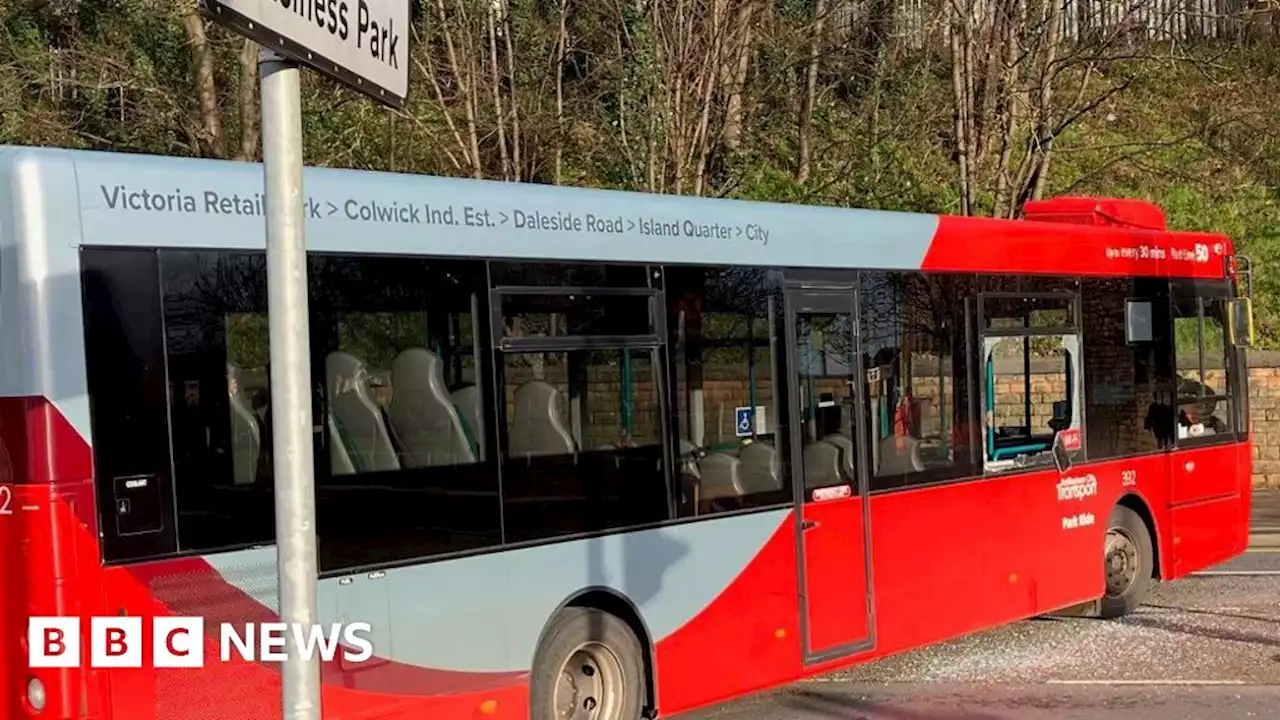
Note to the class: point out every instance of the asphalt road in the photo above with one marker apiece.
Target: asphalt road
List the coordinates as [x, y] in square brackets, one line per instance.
[1207, 646]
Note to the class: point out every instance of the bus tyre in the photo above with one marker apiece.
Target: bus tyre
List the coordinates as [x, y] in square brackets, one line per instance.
[1128, 563]
[589, 666]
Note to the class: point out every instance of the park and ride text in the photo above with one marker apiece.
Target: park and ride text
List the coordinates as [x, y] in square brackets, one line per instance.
[180, 642]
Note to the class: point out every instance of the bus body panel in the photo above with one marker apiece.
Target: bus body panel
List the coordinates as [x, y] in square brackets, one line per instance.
[717, 596]
[928, 543]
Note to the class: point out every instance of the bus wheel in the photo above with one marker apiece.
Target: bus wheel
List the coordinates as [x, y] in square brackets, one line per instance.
[590, 666]
[1128, 563]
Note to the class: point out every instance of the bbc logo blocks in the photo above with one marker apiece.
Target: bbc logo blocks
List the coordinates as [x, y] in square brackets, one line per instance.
[115, 642]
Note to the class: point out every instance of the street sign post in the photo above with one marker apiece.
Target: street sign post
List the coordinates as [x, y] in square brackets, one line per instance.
[364, 45]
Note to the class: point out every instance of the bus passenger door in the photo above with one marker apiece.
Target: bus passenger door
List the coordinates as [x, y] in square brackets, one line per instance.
[831, 489]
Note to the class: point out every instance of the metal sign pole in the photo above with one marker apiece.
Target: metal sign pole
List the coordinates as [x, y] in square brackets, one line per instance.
[290, 376]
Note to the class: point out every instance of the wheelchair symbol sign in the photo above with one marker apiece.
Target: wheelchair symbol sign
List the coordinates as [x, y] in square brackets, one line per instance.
[744, 421]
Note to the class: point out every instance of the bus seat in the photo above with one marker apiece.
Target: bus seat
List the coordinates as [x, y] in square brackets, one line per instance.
[357, 415]
[246, 434]
[822, 465]
[721, 476]
[536, 426]
[339, 458]
[897, 461]
[467, 401]
[848, 456]
[688, 459]
[422, 412]
[760, 469]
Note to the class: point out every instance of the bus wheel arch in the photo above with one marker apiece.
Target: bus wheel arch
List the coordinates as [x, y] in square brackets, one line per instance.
[598, 617]
[1136, 503]
[1129, 558]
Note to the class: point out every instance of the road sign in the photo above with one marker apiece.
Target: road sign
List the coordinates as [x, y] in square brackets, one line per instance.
[363, 44]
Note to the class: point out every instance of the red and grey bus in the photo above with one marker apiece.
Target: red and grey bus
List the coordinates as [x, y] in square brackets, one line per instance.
[596, 454]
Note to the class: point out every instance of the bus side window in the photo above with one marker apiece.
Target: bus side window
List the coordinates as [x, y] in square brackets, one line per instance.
[724, 326]
[1204, 402]
[582, 401]
[916, 392]
[1031, 368]
[217, 340]
[404, 465]
[1127, 379]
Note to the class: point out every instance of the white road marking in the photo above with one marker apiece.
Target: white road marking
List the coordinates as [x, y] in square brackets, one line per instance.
[1234, 573]
[1145, 682]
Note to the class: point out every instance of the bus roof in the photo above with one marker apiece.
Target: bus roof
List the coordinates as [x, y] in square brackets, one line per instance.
[156, 201]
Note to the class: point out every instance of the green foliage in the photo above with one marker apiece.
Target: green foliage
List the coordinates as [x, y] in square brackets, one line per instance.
[1197, 136]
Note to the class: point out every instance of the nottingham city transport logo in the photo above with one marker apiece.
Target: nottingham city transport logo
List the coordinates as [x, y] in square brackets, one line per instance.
[179, 642]
[1077, 488]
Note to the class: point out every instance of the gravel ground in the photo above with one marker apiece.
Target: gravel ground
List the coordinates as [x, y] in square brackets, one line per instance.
[1003, 702]
[1205, 646]
[1200, 628]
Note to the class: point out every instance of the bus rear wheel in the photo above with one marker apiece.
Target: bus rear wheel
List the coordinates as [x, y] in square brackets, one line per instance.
[589, 666]
[1128, 562]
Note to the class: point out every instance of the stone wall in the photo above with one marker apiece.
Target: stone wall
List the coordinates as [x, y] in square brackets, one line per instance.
[1264, 415]
[725, 388]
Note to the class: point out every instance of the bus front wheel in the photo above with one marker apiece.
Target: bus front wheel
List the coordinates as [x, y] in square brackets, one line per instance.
[1128, 563]
[589, 666]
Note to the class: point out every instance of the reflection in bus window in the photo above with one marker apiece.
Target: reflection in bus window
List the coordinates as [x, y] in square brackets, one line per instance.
[916, 393]
[401, 466]
[1127, 384]
[218, 344]
[723, 328]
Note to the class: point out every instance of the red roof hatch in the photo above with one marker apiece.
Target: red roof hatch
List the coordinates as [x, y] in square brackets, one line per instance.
[1121, 212]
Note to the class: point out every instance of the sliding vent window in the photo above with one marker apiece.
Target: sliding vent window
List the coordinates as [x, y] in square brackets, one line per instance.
[577, 314]
[582, 401]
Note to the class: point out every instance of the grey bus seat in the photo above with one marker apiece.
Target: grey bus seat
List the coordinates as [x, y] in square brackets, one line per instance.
[760, 471]
[688, 459]
[822, 465]
[537, 427]
[358, 417]
[721, 476]
[897, 461]
[422, 414]
[339, 458]
[467, 401]
[848, 456]
[246, 434]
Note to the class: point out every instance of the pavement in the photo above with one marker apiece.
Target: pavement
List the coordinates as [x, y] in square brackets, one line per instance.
[1206, 646]
[1264, 526]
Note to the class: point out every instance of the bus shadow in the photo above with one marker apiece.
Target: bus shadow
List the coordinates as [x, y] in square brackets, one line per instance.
[1214, 613]
[1172, 626]
[846, 707]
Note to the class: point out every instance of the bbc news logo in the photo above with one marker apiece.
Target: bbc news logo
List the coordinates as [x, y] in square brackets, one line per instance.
[179, 642]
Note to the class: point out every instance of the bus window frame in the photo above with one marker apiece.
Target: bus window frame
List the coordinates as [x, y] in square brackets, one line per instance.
[1234, 364]
[1072, 326]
